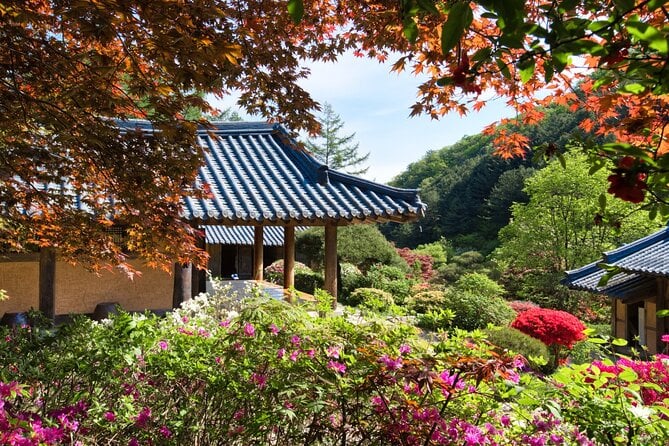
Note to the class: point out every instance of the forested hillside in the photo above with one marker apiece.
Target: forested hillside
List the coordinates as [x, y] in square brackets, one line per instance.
[469, 191]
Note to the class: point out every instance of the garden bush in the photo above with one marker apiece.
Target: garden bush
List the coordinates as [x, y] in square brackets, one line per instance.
[371, 298]
[426, 300]
[436, 319]
[271, 374]
[520, 306]
[392, 280]
[557, 329]
[480, 284]
[307, 281]
[274, 272]
[375, 249]
[473, 310]
[515, 341]
[351, 279]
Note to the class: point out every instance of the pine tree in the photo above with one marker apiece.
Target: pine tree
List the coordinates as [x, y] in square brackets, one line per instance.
[335, 151]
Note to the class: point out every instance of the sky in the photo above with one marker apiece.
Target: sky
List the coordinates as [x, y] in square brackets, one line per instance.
[375, 104]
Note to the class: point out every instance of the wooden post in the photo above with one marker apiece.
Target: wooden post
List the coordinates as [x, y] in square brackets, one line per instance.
[288, 257]
[331, 261]
[183, 277]
[47, 282]
[258, 253]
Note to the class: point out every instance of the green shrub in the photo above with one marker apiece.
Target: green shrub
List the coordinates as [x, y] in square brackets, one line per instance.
[436, 319]
[480, 284]
[473, 310]
[515, 341]
[375, 249]
[351, 279]
[426, 300]
[307, 281]
[371, 298]
[391, 279]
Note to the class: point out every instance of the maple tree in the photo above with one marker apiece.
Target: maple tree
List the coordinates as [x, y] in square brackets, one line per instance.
[70, 70]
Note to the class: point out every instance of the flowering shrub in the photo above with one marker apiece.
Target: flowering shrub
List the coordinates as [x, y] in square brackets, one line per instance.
[421, 264]
[269, 373]
[426, 300]
[651, 376]
[557, 329]
[520, 306]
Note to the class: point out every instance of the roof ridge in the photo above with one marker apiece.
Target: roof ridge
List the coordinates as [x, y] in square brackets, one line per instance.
[616, 254]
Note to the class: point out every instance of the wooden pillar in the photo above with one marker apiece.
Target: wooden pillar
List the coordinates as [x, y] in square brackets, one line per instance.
[662, 303]
[258, 253]
[288, 257]
[331, 261]
[183, 277]
[47, 282]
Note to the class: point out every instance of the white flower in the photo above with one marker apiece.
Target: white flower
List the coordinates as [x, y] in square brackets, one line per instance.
[641, 411]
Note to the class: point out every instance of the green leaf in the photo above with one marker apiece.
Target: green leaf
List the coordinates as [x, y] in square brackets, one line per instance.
[662, 313]
[628, 375]
[652, 5]
[459, 18]
[560, 60]
[597, 340]
[503, 68]
[619, 342]
[563, 162]
[410, 30]
[428, 6]
[648, 33]
[526, 68]
[602, 201]
[548, 71]
[296, 10]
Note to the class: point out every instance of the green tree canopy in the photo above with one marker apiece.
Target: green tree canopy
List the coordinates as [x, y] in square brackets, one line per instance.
[336, 151]
[562, 226]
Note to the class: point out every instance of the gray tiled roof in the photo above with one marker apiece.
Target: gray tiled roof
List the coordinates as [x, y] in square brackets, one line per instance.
[243, 235]
[641, 261]
[257, 174]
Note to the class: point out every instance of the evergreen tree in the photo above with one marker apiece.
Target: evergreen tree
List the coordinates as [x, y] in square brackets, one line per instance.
[335, 151]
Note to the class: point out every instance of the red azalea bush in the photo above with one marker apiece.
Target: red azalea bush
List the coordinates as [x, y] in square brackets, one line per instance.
[415, 260]
[550, 326]
[557, 329]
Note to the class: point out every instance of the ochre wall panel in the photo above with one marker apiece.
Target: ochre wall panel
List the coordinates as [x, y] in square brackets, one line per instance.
[21, 282]
[79, 291]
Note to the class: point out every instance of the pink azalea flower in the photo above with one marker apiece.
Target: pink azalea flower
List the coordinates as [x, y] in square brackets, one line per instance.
[295, 340]
[405, 349]
[143, 417]
[165, 431]
[294, 355]
[337, 366]
[390, 363]
[249, 330]
[280, 353]
[333, 351]
[273, 329]
[225, 323]
[665, 338]
[259, 380]
[110, 416]
[162, 345]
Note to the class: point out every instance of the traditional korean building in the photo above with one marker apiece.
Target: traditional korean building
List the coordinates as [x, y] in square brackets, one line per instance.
[259, 179]
[639, 290]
